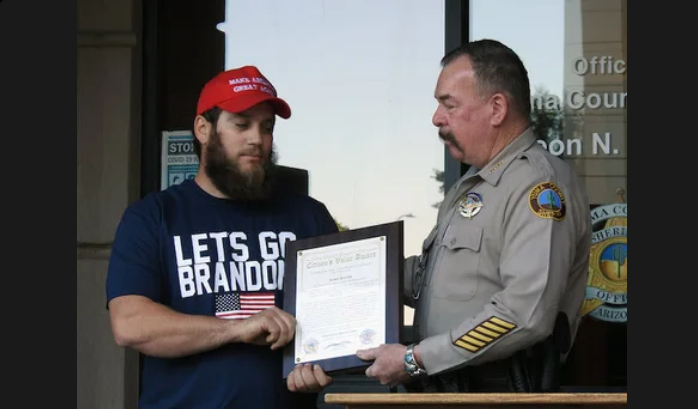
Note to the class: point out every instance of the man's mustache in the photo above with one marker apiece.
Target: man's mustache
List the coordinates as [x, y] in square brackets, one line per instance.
[252, 152]
[447, 137]
[450, 138]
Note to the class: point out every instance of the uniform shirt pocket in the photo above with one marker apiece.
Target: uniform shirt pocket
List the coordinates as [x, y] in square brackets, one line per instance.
[457, 273]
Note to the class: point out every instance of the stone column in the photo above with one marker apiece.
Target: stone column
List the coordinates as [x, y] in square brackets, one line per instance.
[108, 127]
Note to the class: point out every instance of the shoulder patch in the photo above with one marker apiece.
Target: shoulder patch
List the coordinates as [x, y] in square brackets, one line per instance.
[485, 334]
[547, 201]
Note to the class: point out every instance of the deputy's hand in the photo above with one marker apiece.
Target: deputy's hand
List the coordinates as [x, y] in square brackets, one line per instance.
[388, 364]
[272, 326]
[308, 379]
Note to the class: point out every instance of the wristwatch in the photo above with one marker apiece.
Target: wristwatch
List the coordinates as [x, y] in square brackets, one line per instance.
[411, 365]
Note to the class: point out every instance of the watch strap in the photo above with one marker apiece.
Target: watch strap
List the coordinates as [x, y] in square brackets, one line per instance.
[411, 365]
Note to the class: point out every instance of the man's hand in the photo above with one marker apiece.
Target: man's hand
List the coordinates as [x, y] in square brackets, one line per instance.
[272, 326]
[388, 364]
[308, 379]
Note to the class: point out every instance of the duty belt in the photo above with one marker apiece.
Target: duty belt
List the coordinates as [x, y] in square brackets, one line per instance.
[493, 377]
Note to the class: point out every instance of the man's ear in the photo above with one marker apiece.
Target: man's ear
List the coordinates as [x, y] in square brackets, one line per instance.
[202, 129]
[500, 108]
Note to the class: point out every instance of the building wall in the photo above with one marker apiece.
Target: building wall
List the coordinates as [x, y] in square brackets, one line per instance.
[108, 123]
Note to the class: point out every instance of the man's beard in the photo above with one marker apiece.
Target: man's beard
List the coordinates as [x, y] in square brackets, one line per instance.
[256, 184]
[451, 139]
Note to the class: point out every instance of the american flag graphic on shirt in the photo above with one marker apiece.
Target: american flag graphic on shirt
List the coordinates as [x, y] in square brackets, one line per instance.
[240, 305]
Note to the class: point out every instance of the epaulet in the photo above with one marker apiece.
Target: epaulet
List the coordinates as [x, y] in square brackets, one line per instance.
[539, 159]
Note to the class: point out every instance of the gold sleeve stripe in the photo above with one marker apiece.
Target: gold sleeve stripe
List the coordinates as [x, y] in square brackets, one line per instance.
[481, 337]
[467, 346]
[507, 325]
[474, 341]
[485, 331]
[485, 334]
[495, 328]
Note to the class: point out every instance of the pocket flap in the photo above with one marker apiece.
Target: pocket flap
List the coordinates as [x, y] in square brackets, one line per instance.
[464, 238]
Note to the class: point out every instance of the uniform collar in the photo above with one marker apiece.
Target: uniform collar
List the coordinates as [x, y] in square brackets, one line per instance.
[494, 170]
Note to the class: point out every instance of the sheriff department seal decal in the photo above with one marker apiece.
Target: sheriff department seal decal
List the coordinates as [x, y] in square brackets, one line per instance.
[607, 288]
[547, 201]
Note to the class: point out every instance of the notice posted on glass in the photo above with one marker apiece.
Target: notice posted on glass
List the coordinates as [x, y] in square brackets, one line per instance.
[179, 161]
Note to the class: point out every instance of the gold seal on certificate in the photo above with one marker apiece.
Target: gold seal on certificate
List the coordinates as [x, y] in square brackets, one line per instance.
[345, 291]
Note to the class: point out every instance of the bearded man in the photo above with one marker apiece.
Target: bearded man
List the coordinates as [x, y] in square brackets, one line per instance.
[195, 280]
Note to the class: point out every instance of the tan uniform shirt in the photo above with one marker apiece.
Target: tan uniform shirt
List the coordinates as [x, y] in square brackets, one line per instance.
[510, 250]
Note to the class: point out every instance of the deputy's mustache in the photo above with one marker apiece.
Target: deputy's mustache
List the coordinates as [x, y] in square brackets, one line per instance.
[447, 137]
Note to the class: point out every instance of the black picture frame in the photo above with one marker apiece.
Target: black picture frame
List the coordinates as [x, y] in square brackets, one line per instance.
[394, 308]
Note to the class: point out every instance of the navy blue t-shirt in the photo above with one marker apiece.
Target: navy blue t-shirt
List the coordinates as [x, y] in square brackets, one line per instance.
[202, 255]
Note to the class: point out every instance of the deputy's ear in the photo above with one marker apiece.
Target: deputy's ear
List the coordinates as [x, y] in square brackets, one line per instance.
[202, 129]
[500, 108]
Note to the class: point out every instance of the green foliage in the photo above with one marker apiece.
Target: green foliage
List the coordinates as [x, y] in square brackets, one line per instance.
[547, 121]
[439, 177]
[341, 227]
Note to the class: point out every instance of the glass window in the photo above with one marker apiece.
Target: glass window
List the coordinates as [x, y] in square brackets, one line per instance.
[576, 53]
[576, 58]
[360, 77]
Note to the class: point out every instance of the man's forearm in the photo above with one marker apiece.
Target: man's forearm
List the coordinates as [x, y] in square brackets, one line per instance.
[156, 330]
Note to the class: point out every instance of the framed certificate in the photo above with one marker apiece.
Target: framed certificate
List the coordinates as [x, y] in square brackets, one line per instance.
[345, 291]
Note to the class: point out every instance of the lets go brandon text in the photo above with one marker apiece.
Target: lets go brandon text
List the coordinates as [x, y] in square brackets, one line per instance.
[232, 269]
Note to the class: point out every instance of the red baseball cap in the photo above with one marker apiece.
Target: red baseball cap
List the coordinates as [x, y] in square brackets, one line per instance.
[238, 90]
